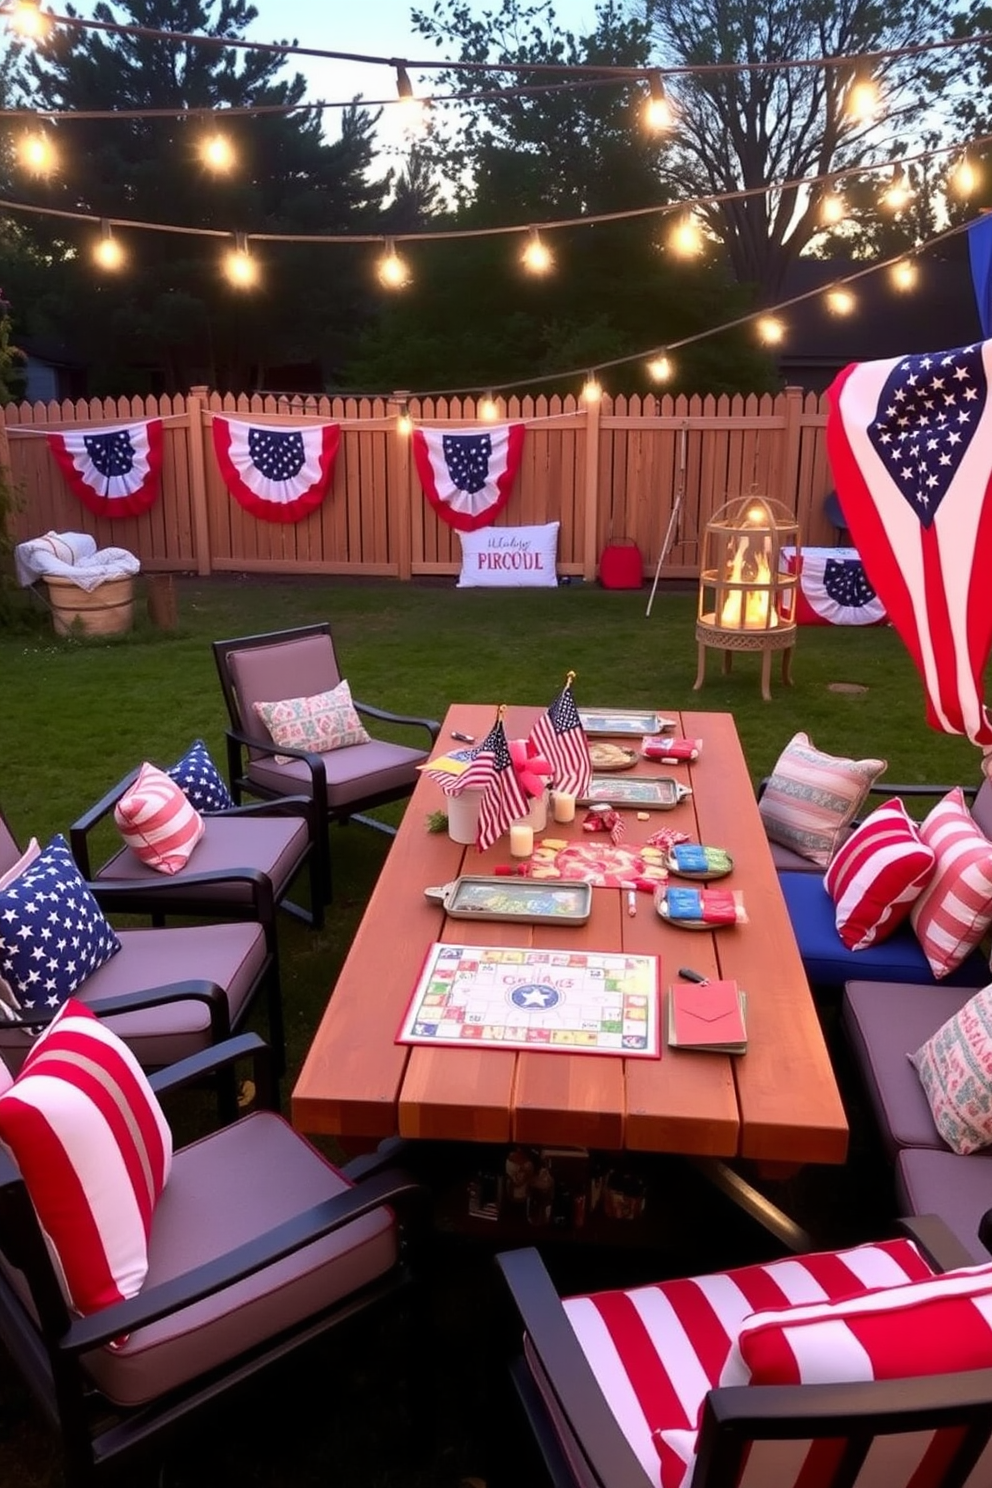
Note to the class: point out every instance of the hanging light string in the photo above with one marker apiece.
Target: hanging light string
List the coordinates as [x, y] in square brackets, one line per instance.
[684, 206]
[861, 60]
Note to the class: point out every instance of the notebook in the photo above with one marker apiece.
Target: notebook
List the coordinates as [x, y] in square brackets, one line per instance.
[708, 1016]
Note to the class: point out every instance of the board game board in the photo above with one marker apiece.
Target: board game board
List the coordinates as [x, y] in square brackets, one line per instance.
[571, 1002]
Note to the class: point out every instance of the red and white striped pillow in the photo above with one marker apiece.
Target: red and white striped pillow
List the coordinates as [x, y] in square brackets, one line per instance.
[158, 822]
[95, 1151]
[955, 909]
[657, 1351]
[875, 877]
[941, 1325]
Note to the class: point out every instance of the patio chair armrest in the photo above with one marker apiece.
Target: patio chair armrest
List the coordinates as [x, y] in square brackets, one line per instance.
[195, 1067]
[432, 725]
[195, 990]
[880, 788]
[278, 806]
[78, 844]
[390, 1152]
[941, 1248]
[554, 1341]
[214, 1276]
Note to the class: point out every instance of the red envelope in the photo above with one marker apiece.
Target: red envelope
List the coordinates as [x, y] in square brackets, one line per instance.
[707, 1015]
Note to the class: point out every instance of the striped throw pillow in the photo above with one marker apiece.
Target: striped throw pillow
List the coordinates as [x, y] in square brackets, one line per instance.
[955, 909]
[941, 1325]
[955, 1069]
[157, 821]
[95, 1152]
[656, 1351]
[811, 798]
[875, 877]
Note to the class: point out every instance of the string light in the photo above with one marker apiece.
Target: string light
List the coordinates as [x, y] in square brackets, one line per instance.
[240, 268]
[904, 275]
[393, 272]
[414, 109]
[833, 207]
[897, 194]
[29, 20]
[488, 411]
[840, 301]
[660, 368]
[404, 423]
[770, 330]
[37, 154]
[964, 178]
[686, 237]
[862, 101]
[658, 113]
[592, 389]
[217, 153]
[107, 251]
[537, 257]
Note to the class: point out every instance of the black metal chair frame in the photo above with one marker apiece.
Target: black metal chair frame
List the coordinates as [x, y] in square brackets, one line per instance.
[99, 1439]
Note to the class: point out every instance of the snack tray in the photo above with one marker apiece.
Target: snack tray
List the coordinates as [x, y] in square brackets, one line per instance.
[702, 875]
[476, 896]
[623, 721]
[647, 792]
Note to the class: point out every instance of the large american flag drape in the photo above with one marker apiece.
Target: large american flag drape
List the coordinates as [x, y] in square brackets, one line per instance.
[910, 443]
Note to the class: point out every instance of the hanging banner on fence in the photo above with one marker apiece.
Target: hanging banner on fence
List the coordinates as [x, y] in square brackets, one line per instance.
[277, 473]
[114, 471]
[467, 474]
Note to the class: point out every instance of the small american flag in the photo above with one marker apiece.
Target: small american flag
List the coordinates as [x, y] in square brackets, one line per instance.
[560, 737]
[505, 800]
[461, 768]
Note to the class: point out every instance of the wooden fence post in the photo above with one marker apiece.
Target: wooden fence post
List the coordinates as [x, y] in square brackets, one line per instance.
[195, 404]
[591, 492]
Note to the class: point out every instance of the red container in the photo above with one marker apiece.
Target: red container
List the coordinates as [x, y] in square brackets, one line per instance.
[621, 565]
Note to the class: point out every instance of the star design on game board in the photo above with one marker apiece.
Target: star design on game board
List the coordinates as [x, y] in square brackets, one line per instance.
[535, 995]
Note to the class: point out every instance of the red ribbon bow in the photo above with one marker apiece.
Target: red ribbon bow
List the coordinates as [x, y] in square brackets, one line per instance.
[530, 766]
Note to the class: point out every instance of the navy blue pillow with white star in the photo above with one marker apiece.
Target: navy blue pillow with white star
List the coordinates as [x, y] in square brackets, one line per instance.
[200, 780]
[53, 934]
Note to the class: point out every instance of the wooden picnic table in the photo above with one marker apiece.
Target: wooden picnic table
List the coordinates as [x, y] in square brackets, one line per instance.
[777, 1104]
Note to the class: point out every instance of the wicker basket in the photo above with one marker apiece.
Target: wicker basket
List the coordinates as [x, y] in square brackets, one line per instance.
[106, 610]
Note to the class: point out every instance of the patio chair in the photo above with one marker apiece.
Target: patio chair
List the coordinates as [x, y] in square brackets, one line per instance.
[623, 1389]
[257, 1246]
[247, 858]
[344, 783]
[231, 963]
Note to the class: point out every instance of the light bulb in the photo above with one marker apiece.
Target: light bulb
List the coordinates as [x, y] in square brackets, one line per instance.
[29, 21]
[770, 330]
[404, 424]
[537, 257]
[897, 194]
[108, 253]
[840, 301]
[904, 275]
[241, 269]
[393, 272]
[658, 112]
[659, 369]
[862, 101]
[217, 153]
[591, 391]
[488, 410]
[964, 178]
[833, 208]
[37, 154]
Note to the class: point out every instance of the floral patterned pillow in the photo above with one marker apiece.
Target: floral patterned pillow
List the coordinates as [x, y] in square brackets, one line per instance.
[955, 1067]
[320, 723]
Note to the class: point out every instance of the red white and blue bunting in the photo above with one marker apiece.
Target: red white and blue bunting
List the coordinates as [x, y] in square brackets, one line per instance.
[467, 474]
[277, 473]
[114, 471]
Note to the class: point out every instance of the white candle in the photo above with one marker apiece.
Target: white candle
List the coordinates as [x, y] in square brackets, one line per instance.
[563, 806]
[521, 839]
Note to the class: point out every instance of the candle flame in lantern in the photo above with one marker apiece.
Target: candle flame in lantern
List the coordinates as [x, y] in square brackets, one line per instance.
[749, 608]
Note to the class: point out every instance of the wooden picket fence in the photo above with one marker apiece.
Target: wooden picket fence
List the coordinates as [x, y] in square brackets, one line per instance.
[607, 471]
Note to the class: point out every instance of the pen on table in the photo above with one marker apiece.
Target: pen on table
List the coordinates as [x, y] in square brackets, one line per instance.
[465, 738]
[631, 901]
[688, 975]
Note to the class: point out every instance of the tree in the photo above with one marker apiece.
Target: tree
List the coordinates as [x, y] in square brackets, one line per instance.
[172, 312]
[745, 130]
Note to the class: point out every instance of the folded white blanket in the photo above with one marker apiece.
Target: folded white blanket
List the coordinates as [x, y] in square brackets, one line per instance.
[74, 556]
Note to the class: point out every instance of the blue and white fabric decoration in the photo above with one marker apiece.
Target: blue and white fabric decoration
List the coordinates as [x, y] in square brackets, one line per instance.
[200, 780]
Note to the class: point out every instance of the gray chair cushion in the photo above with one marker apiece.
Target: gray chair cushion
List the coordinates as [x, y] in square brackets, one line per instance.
[232, 954]
[885, 1022]
[353, 773]
[959, 1189]
[301, 667]
[224, 1190]
[275, 845]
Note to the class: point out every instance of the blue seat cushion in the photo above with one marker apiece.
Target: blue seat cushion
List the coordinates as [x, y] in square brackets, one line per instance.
[828, 961]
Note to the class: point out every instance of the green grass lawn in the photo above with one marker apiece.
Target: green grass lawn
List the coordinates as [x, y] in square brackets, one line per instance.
[76, 714]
